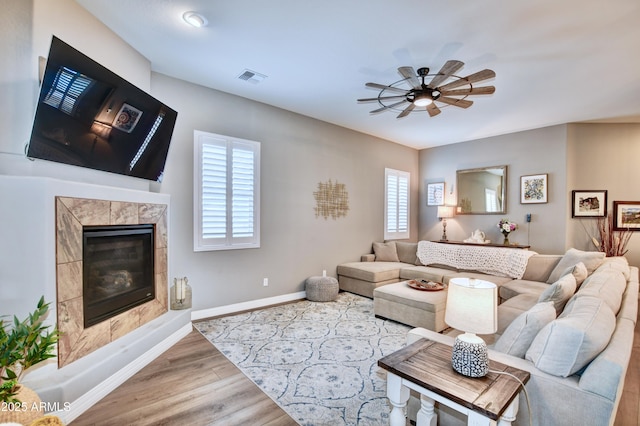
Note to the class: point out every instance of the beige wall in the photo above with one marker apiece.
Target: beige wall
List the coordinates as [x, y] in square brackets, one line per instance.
[603, 156]
[297, 154]
[525, 153]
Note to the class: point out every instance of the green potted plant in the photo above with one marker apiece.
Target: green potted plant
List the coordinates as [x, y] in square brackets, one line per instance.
[23, 344]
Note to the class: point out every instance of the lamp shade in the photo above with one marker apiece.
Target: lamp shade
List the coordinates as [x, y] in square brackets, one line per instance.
[472, 306]
[445, 212]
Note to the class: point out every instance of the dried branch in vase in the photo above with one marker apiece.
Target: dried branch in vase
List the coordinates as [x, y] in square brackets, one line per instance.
[612, 242]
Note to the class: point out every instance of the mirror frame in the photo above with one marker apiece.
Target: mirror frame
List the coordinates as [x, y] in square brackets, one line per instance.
[503, 195]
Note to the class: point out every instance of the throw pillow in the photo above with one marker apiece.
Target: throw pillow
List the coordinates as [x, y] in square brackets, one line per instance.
[385, 252]
[570, 342]
[579, 272]
[518, 336]
[559, 292]
[591, 259]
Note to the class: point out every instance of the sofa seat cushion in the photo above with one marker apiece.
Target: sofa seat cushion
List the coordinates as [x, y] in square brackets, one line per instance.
[576, 337]
[518, 336]
[559, 292]
[512, 308]
[591, 259]
[423, 273]
[498, 281]
[371, 271]
[516, 287]
[608, 285]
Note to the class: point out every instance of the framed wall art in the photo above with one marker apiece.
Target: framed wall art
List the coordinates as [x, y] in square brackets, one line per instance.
[435, 194]
[533, 189]
[588, 203]
[626, 215]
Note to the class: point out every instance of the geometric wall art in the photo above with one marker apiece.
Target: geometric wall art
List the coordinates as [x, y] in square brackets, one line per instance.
[332, 199]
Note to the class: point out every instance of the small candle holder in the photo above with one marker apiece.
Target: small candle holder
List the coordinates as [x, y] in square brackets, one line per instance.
[180, 294]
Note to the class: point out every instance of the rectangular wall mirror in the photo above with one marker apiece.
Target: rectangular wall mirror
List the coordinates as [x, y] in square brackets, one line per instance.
[482, 190]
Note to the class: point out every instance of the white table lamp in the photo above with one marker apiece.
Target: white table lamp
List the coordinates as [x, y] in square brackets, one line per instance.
[472, 307]
[444, 212]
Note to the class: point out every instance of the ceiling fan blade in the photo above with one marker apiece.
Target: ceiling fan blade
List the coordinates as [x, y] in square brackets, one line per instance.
[407, 110]
[433, 109]
[445, 72]
[473, 78]
[381, 98]
[486, 90]
[388, 106]
[410, 75]
[384, 87]
[462, 103]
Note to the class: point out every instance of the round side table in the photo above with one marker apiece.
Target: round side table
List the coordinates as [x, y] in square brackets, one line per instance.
[321, 289]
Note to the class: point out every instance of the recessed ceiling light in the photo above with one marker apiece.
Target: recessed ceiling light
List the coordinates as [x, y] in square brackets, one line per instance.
[195, 19]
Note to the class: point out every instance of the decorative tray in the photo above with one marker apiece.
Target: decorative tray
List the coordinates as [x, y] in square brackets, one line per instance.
[425, 285]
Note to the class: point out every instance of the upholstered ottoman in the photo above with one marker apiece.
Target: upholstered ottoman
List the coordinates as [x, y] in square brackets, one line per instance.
[409, 306]
[321, 289]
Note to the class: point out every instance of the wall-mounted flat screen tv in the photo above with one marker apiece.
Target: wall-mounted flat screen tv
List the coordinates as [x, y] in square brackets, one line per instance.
[90, 117]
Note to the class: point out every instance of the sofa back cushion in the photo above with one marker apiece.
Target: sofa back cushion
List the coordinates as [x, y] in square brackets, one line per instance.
[518, 336]
[385, 252]
[539, 267]
[407, 252]
[577, 336]
[591, 259]
[608, 285]
[618, 263]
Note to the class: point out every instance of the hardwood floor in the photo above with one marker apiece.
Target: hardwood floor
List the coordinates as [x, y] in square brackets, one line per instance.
[193, 384]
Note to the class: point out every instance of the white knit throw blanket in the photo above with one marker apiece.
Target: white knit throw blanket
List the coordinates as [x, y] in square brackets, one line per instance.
[499, 261]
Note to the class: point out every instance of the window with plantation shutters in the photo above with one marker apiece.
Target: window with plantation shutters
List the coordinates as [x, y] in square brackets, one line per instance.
[227, 192]
[396, 204]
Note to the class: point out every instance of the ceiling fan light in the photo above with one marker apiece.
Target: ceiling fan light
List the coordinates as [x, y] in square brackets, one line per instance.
[422, 101]
[195, 19]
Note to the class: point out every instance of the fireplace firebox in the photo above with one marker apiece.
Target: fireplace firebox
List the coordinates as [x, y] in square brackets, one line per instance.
[118, 270]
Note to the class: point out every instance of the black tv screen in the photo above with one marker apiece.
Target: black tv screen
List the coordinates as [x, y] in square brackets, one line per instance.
[90, 117]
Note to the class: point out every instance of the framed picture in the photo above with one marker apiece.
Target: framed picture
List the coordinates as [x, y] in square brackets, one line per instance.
[588, 203]
[435, 194]
[533, 189]
[127, 118]
[626, 215]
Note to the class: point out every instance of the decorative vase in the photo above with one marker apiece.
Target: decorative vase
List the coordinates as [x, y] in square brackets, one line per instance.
[180, 295]
[506, 238]
[25, 411]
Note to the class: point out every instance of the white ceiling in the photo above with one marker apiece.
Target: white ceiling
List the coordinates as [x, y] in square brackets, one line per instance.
[555, 61]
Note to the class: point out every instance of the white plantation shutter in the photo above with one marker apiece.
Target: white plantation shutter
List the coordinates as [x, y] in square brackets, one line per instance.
[396, 200]
[226, 202]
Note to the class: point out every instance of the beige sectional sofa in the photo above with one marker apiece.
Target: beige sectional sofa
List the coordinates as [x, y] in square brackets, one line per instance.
[569, 320]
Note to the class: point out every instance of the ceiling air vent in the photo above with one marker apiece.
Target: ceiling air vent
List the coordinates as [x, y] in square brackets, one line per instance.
[252, 76]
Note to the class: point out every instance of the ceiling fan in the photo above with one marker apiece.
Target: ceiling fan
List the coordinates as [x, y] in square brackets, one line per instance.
[443, 87]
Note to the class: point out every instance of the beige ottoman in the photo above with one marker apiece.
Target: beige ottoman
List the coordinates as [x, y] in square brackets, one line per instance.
[322, 289]
[409, 306]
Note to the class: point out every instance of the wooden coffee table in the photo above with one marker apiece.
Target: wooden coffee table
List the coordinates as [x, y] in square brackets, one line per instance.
[425, 366]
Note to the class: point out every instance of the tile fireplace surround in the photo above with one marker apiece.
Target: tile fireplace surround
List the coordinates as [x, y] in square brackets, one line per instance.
[71, 215]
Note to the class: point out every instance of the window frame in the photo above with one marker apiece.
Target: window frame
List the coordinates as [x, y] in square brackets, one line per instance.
[228, 241]
[396, 232]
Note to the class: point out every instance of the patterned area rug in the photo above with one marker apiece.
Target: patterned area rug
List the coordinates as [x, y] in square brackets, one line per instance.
[318, 361]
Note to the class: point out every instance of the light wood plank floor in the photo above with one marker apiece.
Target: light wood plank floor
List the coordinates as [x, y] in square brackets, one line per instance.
[192, 383]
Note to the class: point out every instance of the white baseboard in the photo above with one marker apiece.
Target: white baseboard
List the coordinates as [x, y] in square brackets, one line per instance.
[82, 404]
[245, 306]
